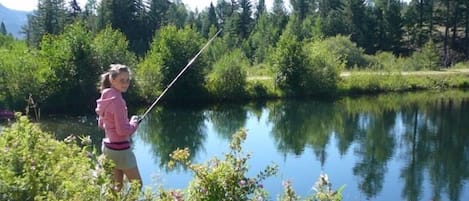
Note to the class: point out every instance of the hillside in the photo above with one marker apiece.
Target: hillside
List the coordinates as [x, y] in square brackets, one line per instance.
[13, 20]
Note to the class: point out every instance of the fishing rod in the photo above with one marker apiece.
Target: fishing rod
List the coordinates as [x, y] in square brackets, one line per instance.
[179, 75]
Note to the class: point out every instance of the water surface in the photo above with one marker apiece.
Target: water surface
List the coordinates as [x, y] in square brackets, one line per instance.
[412, 146]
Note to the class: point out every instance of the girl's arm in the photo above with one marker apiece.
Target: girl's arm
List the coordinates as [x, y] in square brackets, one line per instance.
[124, 127]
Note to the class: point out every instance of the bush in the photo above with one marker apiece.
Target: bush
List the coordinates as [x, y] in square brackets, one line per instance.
[427, 58]
[170, 52]
[34, 166]
[289, 63]
[386, 61]
[224, 179]
[323, 70]
[342, 47]
[20, 75]
[110, 46]
[461, 65]
[228, 77]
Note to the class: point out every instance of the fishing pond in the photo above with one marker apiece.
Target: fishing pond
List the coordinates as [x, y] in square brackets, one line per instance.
[400, 146]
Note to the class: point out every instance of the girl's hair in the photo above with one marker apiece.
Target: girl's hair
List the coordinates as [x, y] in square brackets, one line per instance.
[114, 70]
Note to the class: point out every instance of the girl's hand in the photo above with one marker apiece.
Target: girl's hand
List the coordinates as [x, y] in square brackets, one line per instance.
[136, 118]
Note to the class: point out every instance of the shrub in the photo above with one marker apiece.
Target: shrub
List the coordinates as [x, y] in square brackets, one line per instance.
[228, 77]
[34, 166]
[384, 61]
[323, 70]
[110, 46]
[289, 63]
[461, 65]
[21, 74]
[427, 58]
[224, 179]
[169, 53]
[342, 47]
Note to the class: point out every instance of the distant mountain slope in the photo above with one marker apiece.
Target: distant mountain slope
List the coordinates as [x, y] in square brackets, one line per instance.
[13, 20]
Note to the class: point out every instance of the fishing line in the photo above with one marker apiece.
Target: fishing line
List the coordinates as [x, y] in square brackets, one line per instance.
[179, 75]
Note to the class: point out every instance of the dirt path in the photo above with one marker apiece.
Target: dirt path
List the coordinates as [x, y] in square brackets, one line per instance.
[464, 71]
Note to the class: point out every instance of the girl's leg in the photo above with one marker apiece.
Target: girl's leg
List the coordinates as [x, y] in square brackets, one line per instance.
[119, 179]
[133, 175]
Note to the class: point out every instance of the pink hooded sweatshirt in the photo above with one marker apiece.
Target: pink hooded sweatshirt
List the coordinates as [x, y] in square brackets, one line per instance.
[112, 111]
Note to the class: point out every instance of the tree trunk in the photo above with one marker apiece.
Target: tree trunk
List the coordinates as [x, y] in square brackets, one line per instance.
[430, 28]
[455, 25]
[445, 43]
[419, 40]
[466, 37]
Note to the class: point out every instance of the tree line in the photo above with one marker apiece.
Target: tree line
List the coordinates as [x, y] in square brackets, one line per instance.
[375, 25]
[303, 48]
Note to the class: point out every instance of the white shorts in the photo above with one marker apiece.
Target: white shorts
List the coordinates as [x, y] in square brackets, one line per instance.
[124, 159]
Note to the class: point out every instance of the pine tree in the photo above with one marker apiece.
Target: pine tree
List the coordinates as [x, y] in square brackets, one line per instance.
[389, 25]
[260, 9]
[359, 23]
[245, 20]
[50, 18]
[127, 16]
[300, 8]
[3, 29]
[209, 20]
[279, 15]
[158, 13]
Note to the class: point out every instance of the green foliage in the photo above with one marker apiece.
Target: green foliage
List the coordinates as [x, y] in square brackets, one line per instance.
[323, 69]
[427, 58]
[373, 82]
[21, 73]
[245, 23]
[216, 50]
[209, 20]
[228, 76]
[3, 29]
[49, 18]
[35, 166]
[289, 63]
[262, 88]
[461, 65]
[344, 49]
[387, 62]
[169, 53]
[307, 71]
[260, 83]
[6, 41]
[263, 38]
[332, 23]
[323, 189]
[72, 83]
[224, 179]
[110, 46]
[324, 192]
[389, 22]
[129, 18]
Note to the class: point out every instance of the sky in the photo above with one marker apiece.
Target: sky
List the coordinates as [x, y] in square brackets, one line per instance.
[29, 5]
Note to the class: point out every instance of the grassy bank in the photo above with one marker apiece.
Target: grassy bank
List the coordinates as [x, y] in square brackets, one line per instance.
[378, 82]
[372, 82]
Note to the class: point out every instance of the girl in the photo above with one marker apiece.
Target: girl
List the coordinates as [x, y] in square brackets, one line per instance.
[112, 117]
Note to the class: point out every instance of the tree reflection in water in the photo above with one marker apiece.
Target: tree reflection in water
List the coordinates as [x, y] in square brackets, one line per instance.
[169, 128]
[426, 134]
